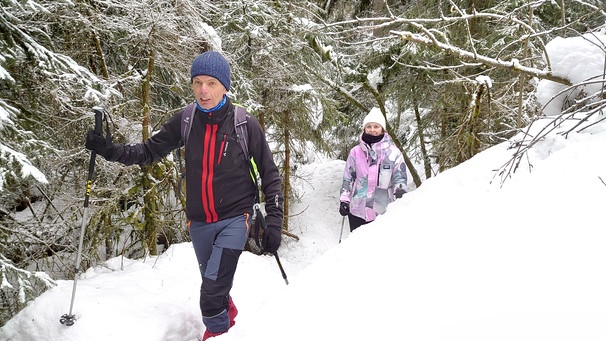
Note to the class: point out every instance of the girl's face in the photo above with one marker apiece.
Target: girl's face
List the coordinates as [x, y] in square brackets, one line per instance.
[373, 129]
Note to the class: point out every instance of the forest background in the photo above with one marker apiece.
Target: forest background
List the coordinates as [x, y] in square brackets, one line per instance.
[452, 78]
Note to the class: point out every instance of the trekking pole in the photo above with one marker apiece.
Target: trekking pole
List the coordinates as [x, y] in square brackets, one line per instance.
[281, 268]
[257, 214]
[342, 224]
[69, 318]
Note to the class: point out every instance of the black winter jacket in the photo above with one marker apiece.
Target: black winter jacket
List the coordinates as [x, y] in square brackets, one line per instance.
[218, 181]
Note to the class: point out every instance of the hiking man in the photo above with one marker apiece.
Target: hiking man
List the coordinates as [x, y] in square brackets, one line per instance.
[220, 192]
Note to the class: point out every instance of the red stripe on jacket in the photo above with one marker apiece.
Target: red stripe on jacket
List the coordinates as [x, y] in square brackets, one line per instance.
[208, 155]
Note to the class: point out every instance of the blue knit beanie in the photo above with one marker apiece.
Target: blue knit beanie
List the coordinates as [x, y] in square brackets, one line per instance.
[212, 63]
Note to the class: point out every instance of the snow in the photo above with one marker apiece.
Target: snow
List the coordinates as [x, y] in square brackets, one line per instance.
[582, 62]
[27, 169]
[209, 31]
[7, 113]
[484, 80]
[3, 73]
[465, 256]
[375, 78]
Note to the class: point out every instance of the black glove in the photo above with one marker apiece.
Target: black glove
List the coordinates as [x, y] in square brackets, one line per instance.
[98, 143]
[272, 238]
[399, 192]
[344, 208]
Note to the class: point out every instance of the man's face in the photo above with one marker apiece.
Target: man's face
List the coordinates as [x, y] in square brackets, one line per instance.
[208, 91]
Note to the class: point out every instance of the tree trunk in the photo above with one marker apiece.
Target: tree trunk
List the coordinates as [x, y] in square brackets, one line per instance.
[286, 170]
[150, 232]
[421, 133]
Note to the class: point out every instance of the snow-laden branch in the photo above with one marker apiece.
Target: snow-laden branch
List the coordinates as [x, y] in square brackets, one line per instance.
[513, 64]
[429, 36]
[26, 168]
[344, 92]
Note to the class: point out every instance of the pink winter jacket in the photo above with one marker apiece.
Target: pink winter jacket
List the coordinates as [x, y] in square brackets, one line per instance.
[371, 176]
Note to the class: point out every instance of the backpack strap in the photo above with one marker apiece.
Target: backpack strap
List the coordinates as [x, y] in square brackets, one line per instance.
[241, 127]
[240, 121]
[187, 121]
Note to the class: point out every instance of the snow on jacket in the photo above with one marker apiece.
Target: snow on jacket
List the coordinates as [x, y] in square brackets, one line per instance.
[218, 184]
[371, 176]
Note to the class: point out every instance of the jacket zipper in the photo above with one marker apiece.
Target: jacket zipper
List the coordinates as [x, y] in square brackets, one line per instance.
[223, 149]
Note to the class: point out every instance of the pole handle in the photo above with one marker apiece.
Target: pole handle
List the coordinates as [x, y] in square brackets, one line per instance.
[99, 115]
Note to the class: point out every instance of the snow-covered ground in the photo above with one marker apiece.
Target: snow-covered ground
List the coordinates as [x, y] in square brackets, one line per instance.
[460, 258]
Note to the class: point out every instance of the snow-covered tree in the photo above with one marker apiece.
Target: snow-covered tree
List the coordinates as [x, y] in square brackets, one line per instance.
[467, 69]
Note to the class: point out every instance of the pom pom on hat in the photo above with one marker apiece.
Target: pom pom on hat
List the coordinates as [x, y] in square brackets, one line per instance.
[374, 116]
[212, 63]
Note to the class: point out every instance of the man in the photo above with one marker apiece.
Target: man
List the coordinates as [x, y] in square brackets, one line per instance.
[220, 191]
